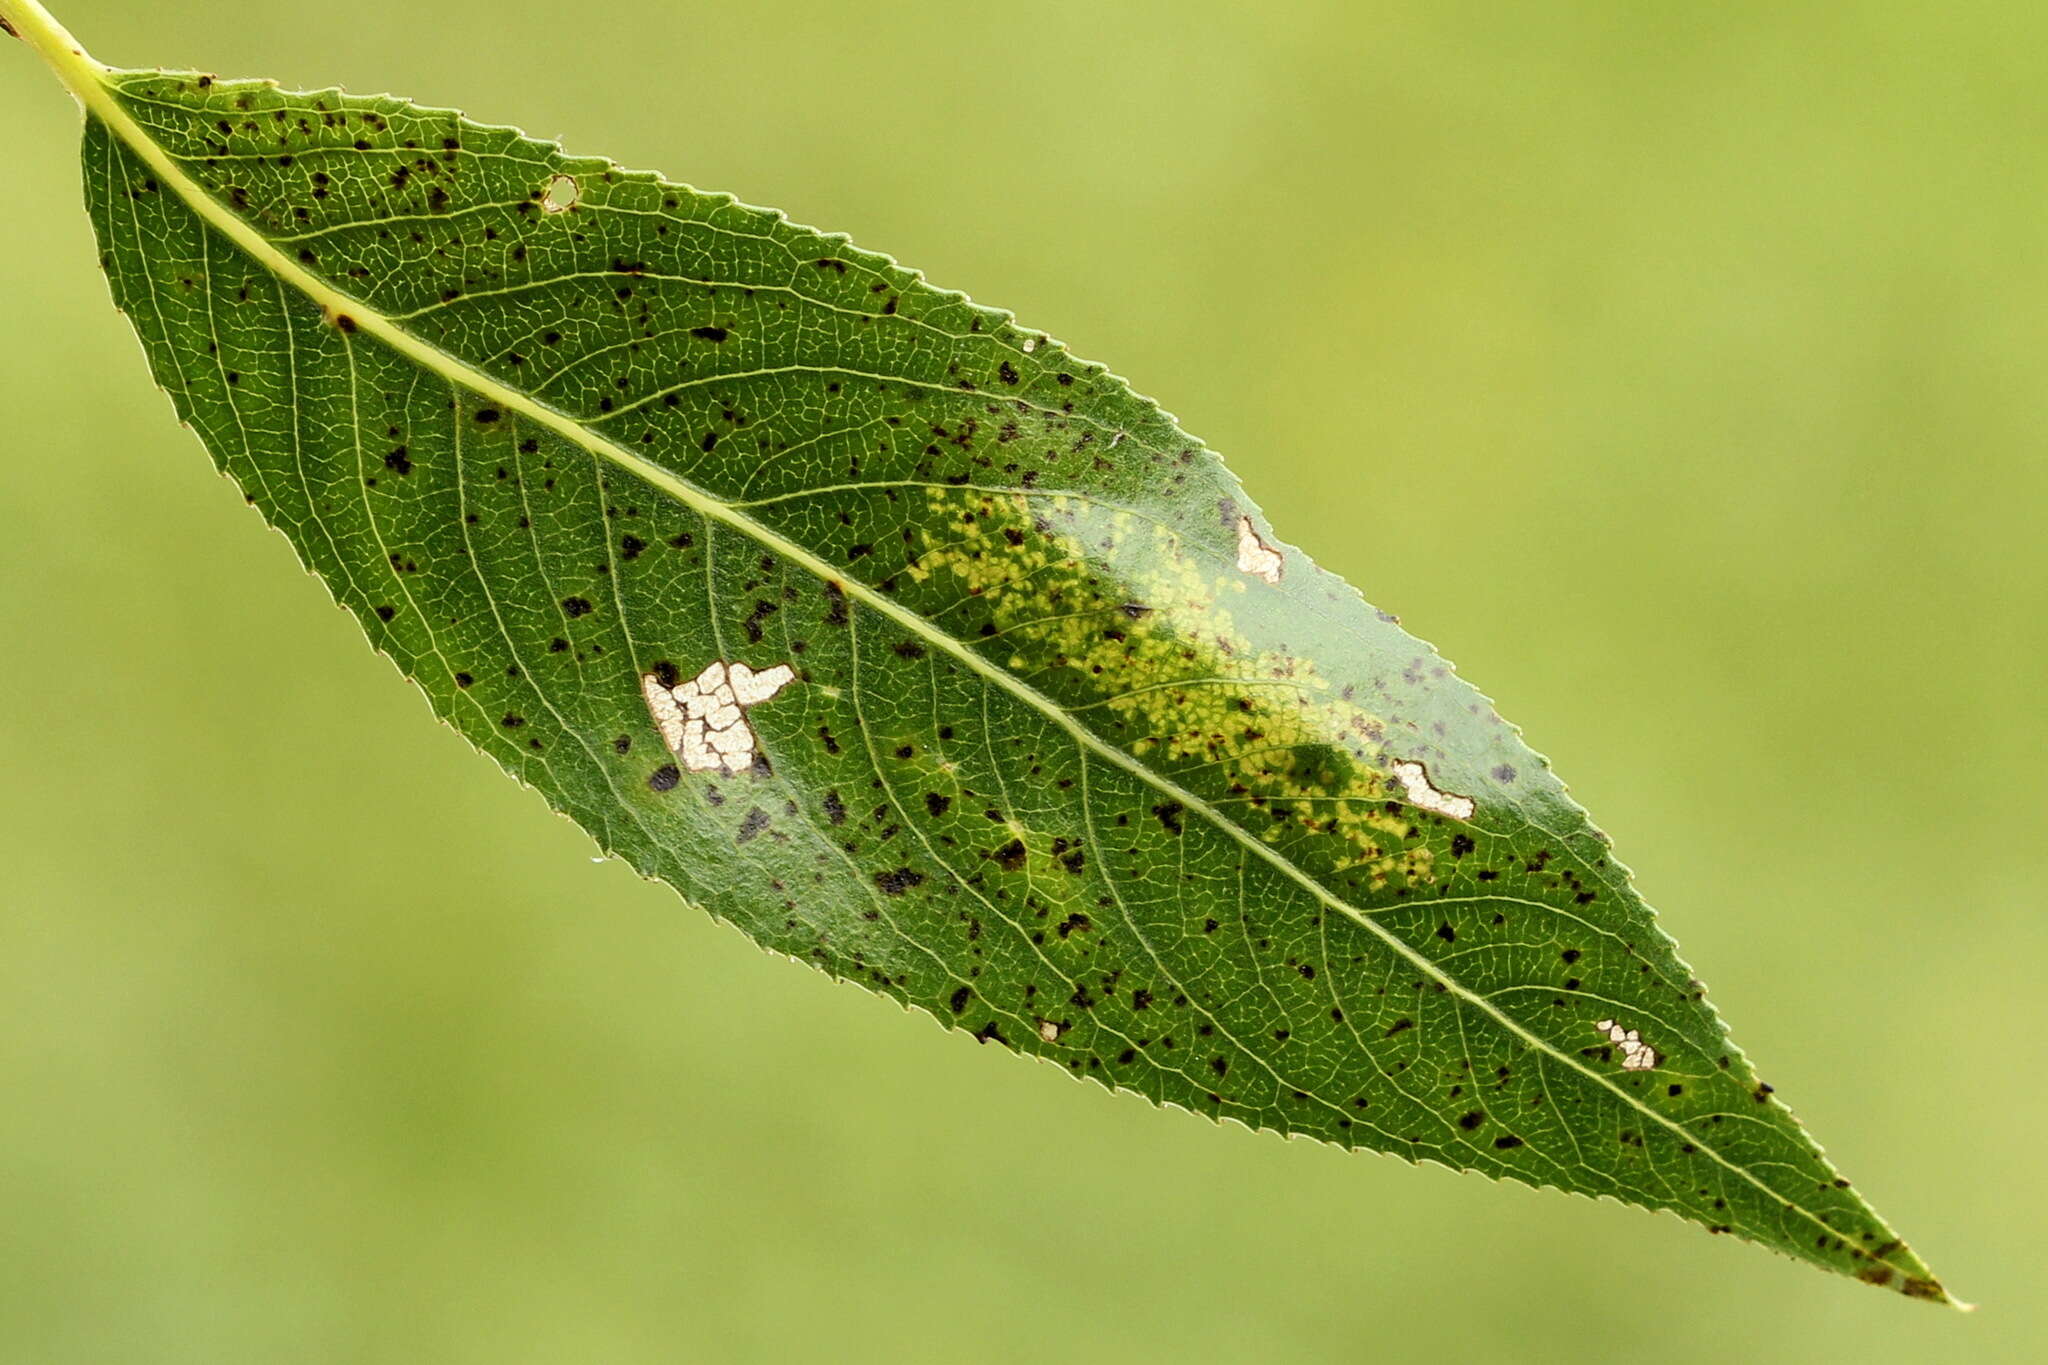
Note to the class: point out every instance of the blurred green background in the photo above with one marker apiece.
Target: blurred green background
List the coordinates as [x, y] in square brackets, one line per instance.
[1674, 368]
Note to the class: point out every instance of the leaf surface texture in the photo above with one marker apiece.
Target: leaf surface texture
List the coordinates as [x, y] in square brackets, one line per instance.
[1073, 751]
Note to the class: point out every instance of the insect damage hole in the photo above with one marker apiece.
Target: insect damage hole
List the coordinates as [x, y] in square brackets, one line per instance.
[1415, 779]
[704, 720]
[561, 194]
[1636, 1055]
[1255, 556]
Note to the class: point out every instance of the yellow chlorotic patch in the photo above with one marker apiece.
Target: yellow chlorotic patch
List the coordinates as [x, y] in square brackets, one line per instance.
[1137, 619]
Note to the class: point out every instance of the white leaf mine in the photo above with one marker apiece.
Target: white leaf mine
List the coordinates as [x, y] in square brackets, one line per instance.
[1255, 556]
[704, 721]
[1636, 1055]
[1415, 779]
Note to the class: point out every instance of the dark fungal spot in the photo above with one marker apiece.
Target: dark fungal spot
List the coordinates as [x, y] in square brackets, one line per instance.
[630, 547]
[899, 881]
[398, 462]
[1401, 1025]
[835, 809]
[386, 613]
[512, 720]
[1506, 1142]
[751, 825]
[1570, 955]
[1472, 1120]
[1447, 933]
[574, 607]
[709, 333]
[1010, 856]
[752, 625]
[664, 778]
[936, 804]
[908, 649]
[960, 999]
[463, 679]
[1169, 816]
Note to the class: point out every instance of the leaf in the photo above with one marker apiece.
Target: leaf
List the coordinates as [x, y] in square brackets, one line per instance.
[918, 648]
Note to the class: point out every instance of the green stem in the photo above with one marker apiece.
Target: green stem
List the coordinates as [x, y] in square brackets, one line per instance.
[37, 27]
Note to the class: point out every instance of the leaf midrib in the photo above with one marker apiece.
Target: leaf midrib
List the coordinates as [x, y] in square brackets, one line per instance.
[88, 81]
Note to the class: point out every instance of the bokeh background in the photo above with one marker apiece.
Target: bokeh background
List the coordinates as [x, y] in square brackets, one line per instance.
[1676, 369]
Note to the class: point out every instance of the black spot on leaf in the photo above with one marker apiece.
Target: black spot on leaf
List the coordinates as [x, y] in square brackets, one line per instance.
[898, 881]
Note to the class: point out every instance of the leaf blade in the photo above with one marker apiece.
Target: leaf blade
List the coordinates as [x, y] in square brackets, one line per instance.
[1160, 575]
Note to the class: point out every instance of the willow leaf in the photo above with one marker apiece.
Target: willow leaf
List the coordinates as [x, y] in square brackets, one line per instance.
[916, 647]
